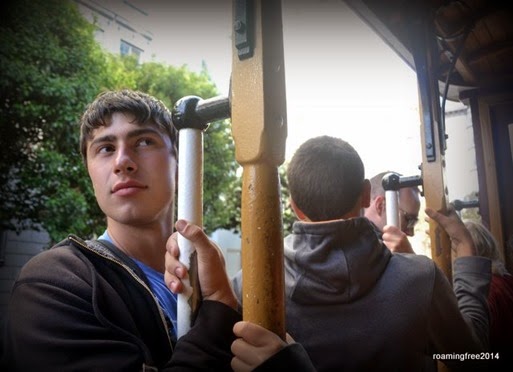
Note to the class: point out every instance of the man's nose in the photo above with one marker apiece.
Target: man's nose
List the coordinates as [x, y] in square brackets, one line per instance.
[125, 161]
[409, 231]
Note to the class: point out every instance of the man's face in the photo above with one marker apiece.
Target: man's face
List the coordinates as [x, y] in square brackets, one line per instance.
[132, 169]
[409, 206]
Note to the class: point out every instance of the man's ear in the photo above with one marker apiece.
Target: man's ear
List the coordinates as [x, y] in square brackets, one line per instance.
[299, 213]
[379, 204]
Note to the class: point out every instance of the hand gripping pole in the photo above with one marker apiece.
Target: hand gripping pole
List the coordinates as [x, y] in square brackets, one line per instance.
[191, 116]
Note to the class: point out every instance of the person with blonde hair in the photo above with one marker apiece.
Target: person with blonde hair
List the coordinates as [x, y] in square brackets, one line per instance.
[500, 297]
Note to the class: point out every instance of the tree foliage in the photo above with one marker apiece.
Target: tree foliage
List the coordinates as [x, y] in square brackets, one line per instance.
[51, 69]
[288, 215]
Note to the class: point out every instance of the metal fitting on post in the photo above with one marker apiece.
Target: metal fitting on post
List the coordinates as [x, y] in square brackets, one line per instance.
[196, 113]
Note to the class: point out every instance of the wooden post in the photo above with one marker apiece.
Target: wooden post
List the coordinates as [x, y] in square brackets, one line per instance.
[259, 130]
[425, 54]
[432, 136]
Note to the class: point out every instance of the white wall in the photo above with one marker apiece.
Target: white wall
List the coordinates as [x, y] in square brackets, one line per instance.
[230, 244]
[460, 157]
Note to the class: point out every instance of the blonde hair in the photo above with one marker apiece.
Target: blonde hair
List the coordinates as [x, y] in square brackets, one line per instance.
[486, 246]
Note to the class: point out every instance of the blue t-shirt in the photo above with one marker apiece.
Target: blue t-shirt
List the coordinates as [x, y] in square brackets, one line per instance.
[165, 298]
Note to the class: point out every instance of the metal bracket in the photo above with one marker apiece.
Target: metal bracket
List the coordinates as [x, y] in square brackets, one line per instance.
[410, 181]
[425, 99]
[243, 27]
[395, 182]
[194, 112]
[422, 49]
[390, 182]
[464, 204]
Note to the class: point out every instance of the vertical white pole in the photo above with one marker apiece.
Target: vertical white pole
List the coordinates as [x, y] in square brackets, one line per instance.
[392, 207]
[190, 207]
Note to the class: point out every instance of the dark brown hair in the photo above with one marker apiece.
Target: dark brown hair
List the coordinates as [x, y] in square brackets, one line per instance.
[147, 110]
[325, 178]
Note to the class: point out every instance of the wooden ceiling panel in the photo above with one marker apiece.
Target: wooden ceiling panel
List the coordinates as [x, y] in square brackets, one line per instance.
[485, 26]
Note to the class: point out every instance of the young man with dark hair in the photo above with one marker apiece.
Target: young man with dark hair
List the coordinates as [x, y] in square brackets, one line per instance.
[107, 304]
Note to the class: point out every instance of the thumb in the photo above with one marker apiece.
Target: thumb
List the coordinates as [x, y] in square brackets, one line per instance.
[430, 212]
[196, 236]
[437, 216]
[214, 282]
[189, 230]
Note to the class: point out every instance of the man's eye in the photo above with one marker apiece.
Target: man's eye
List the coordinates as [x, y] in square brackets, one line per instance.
[105, 149]
[145, 142]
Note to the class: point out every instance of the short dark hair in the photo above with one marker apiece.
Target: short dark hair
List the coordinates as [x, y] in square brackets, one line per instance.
[146, 109]
[325, 178]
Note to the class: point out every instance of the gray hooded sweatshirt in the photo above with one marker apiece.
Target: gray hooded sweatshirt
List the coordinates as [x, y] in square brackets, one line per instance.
[354, 305]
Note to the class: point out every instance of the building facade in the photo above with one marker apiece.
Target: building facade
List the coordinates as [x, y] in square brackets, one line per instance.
[119, 26]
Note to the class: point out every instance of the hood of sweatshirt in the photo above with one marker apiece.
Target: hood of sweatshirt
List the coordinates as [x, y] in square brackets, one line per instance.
[333, 262]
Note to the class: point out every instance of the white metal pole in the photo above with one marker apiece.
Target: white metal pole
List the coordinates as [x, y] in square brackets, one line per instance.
[190, 207]
[392, 207]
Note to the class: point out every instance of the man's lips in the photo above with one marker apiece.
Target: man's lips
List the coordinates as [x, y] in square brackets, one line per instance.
[125, 188]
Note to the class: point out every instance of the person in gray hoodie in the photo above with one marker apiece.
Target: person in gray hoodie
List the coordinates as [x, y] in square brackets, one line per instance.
[353, 304]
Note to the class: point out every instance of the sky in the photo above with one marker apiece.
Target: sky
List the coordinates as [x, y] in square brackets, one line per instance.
[341, 78]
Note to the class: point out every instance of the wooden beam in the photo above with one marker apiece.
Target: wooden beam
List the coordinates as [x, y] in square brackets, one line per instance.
[489, 165]
[259, 130]
[432, 136]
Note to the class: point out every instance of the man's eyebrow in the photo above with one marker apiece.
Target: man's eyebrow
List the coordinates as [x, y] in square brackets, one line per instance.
[132, 134]
[142, 131]
[103, 139]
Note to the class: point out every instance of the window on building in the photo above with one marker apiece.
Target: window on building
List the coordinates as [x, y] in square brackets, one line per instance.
[127, 49]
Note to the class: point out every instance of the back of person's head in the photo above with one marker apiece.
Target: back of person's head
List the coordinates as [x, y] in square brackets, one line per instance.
[486, 246]
[145, 109]
[377, 184]
[325, 178]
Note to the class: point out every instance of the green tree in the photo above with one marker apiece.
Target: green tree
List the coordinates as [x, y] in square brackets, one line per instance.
[51, 69]
[51, 66]
[288, 215]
